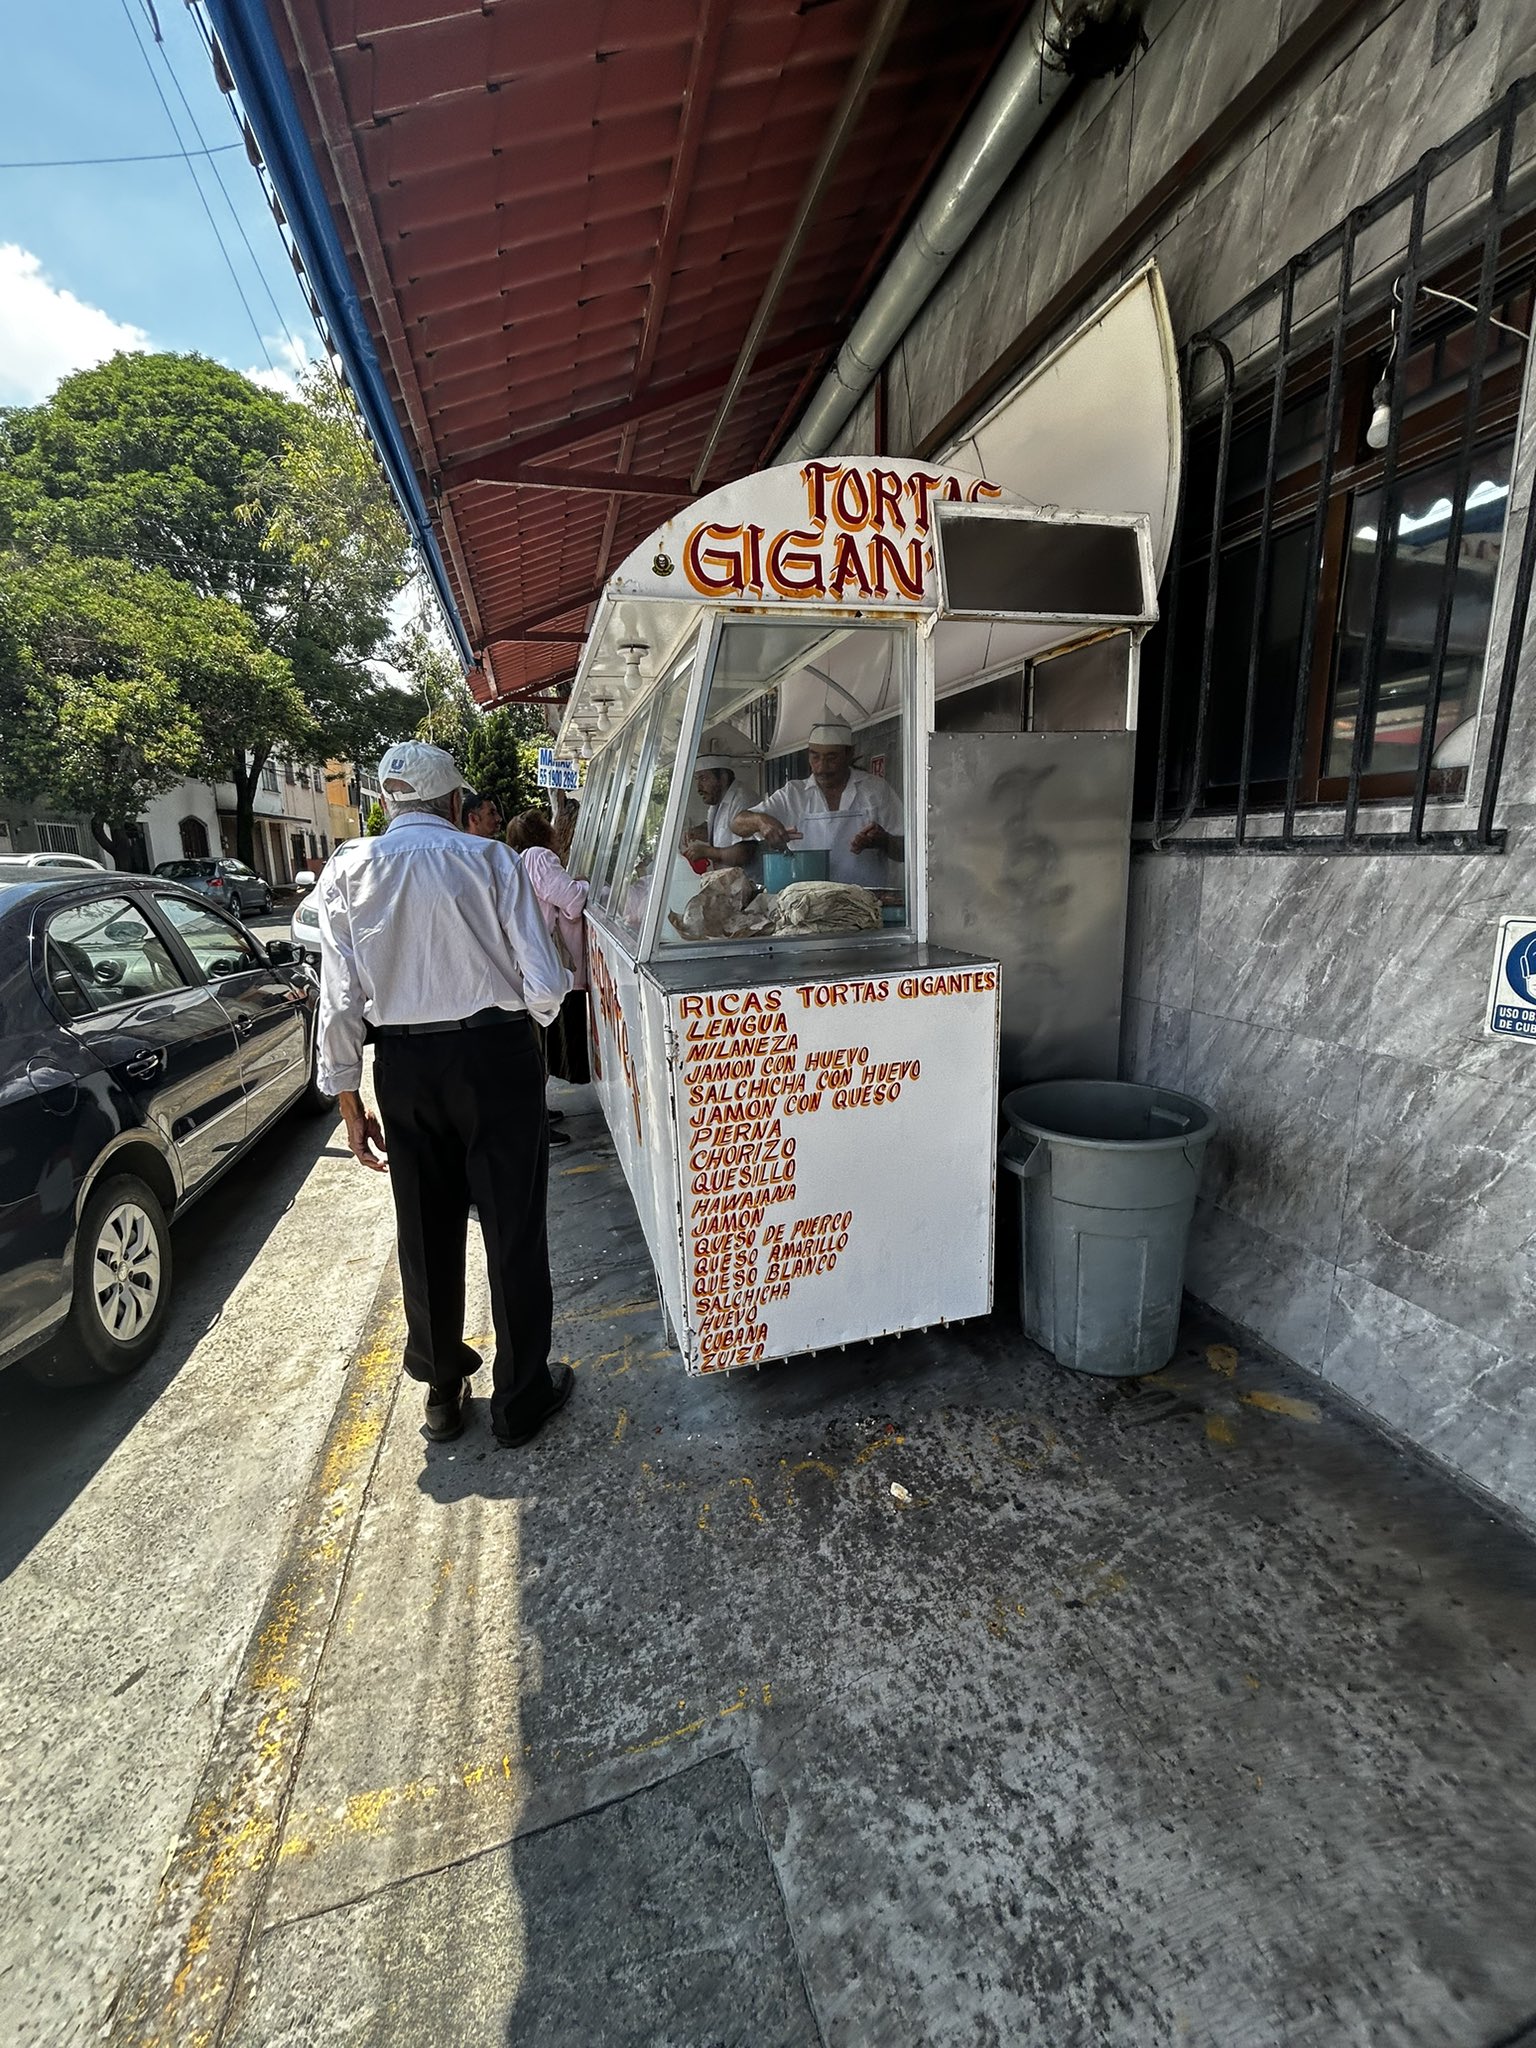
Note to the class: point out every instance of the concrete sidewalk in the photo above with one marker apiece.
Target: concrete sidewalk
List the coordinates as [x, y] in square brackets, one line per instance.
[1187, 1713]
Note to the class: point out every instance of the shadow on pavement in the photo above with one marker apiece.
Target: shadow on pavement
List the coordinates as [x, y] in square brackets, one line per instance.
[53, 1440]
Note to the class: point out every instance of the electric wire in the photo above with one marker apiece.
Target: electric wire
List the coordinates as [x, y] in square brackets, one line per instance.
[133, 28]
[300, 354]
[73, 163]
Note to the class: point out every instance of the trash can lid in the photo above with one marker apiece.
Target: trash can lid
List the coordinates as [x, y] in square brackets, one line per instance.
[1108, 1114]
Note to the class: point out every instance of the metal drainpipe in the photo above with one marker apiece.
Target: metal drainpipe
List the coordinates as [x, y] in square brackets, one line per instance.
[1012, 112]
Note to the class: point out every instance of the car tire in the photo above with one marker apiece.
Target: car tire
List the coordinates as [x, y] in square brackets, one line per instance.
[264, 908]
[122, 1287]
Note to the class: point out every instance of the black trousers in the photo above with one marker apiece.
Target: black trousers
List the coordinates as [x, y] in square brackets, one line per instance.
[463, 1115]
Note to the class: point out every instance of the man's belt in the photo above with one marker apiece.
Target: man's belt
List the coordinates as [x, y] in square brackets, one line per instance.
[478, 1022]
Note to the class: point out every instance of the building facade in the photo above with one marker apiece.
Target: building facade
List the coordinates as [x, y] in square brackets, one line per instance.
[1337, 785]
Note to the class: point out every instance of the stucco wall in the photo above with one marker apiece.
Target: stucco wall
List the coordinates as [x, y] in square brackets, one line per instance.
[1371, 1204]
[162, 820]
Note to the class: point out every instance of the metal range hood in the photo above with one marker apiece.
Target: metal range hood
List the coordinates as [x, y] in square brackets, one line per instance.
[1012, 112]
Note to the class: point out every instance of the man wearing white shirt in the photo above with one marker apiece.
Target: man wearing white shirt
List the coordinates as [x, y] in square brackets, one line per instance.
[435, 943]
[715, 781]
[856, 819]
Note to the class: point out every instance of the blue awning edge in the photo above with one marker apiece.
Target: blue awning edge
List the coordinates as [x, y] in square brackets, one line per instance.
[250, 49]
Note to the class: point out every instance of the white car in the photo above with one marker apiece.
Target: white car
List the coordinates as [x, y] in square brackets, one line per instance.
[33, 861]
[304, 931]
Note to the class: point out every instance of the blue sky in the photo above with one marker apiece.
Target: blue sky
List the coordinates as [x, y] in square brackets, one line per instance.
[122, 255]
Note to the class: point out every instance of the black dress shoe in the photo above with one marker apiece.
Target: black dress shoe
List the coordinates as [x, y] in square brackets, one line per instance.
[559, 1137]
[445, 1413]
[564, 1385]
[556, 1116]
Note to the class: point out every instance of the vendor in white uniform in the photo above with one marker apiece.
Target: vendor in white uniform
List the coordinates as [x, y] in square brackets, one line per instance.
[717, 783]
[838, 809]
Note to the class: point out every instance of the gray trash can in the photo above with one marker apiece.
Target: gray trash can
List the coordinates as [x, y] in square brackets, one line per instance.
[1107, 1177]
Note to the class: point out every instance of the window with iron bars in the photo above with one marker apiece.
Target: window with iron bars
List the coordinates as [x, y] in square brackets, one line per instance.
[1320, 673]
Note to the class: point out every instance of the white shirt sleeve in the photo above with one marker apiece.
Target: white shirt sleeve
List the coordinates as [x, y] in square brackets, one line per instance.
[339, 1025]
[545, 977]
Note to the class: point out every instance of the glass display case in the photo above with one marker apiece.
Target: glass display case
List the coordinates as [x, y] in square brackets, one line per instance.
[775, 1025]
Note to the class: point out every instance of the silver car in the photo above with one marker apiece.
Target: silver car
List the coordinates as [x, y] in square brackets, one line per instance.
[227, 882]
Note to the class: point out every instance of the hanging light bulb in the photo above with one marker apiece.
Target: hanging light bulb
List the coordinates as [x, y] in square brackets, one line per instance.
[632, 651]
[1379, 432]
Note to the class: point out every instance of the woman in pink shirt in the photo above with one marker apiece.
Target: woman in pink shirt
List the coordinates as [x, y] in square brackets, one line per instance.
[563, 899]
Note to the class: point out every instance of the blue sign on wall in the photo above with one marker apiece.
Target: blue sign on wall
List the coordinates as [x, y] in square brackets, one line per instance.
[554, 773]
[1512, 993]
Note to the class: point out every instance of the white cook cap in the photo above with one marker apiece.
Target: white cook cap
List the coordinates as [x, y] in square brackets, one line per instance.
[723, 747]
[417, 770]
[831, 731]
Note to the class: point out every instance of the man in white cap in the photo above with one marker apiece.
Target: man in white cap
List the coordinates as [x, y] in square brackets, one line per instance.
[434, 941]
[716, 782]
[838, 809]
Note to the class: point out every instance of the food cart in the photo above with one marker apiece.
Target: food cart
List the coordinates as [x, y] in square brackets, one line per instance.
[797, 1051]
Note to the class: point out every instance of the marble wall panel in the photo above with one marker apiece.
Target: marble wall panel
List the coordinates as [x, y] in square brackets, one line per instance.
[1442, 1197]
[1434, 953]
[1199, 61]
[1287, 1107]
[1278, 1291]
[1369, 119]
[1463, 1400]
[1081, 195]
[1289, 943]
[1163, 927]
[1154, 1043]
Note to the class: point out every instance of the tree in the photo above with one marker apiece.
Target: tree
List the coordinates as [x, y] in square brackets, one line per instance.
[450, 719]
[177, 467]
[502, 758]
[377, 820]
[107, 674]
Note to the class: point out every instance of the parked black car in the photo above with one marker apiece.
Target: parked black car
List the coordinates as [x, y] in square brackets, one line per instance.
[229, 882]
[146, 1041]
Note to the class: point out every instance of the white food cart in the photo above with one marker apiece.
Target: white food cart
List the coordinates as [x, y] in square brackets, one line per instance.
[807, 1118]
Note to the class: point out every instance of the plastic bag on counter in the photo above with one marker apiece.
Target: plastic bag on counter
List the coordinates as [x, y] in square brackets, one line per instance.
[827, 907]
[727, 905]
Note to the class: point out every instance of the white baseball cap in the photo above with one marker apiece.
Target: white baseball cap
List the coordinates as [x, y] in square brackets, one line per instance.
[417, 770]
[831, 731]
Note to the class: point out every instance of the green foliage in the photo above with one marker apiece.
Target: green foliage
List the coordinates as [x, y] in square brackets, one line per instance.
[502, 758]
[264, 543]
[107, 673]
[450, 719]
[377, 820]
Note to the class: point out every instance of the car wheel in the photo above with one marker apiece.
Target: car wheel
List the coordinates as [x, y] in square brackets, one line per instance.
[122, 1286]
[266, 904]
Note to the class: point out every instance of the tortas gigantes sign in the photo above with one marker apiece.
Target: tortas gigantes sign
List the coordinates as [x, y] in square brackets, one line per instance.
[856, 532]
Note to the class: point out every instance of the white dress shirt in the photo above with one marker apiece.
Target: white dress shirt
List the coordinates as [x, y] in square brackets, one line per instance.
[426, 925]
[863, 800]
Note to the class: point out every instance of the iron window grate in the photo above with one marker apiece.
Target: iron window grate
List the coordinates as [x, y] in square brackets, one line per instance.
[1364, 293]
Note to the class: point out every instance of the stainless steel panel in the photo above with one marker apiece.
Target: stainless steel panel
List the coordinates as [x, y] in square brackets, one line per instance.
[1087, 689]
[1028, 839]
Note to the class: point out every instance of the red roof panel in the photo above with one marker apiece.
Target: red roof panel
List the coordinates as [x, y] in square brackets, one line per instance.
[506, 178]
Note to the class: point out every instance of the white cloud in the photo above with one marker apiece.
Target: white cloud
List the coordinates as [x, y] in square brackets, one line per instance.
[46, 332]
[291, 358]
